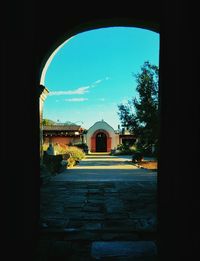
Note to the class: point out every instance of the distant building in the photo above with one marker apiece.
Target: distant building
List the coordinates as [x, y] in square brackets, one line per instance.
[100, 137]
[65, 134]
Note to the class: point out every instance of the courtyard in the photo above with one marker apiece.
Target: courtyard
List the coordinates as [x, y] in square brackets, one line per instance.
[102, 209]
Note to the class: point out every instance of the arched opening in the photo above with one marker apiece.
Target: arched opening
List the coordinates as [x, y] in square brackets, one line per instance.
[87, 107]
[37, 32]
[101, 142]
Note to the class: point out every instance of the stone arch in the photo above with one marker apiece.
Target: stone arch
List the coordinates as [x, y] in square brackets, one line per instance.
[40, 36]
[63, 40]
[94, 24]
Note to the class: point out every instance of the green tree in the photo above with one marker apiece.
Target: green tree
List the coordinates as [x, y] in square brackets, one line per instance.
[48, 122]
[140, 115]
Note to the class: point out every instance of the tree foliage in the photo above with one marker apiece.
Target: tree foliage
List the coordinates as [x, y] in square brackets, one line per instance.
[48, 122]
[140, 114]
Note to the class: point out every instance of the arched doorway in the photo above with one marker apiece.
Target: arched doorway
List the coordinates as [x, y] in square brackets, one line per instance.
[101, 142]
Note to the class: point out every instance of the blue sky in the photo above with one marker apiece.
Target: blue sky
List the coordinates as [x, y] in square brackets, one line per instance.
[93, 72]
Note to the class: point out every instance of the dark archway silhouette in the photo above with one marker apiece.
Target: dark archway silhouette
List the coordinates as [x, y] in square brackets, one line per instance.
[36, 32]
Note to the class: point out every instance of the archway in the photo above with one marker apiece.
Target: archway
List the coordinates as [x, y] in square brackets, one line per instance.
[41, 35]
[101, 142]
[83, 102]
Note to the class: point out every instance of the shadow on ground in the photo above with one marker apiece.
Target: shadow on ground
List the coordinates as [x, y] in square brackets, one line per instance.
[98, 214]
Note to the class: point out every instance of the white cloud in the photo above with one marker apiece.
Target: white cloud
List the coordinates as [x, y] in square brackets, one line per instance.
[76, 99]
[97, 82]
[80, 90]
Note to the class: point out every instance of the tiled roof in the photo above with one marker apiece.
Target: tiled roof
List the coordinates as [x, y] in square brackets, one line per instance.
[61, 128]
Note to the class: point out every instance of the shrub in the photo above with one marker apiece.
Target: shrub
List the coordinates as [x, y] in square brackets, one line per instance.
[72, 154]
[53, 162]
[71, 162]
[75, 153]
[45, 146]
[82, 146]
[137, 156]
[60, 148]
[123, 149]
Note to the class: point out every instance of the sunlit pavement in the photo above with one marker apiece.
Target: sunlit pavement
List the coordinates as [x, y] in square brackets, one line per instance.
[102, 209]
[106, 168]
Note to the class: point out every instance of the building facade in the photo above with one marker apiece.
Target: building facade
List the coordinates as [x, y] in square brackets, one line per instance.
[62, 134]
[100, 137]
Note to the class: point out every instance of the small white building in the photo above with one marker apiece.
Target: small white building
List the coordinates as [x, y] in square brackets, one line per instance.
[101, 137]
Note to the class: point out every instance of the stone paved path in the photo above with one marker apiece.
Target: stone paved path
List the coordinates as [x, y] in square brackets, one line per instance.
[106, 168]
[90, 212]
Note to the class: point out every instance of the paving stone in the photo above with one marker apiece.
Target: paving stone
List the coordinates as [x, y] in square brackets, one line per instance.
[76, 215]
[54, 216]
[132, 249]
[73, 204]
[71, 229]
[91, 208]
[140, 214]
[77, 224]
[82, 235]
[98, 204]
[146, 224]
[110, 191]
[76, 200]
[92, 216]
[109, 236]
[114, 216]
[56, 223]
[95, 200]
[82, 213]
[93, 226]
[128, 236]
[93, 190]
[119, 225]
[114, 207]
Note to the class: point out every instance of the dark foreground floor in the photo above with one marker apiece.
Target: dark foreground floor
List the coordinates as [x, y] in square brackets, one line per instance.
[94, 220]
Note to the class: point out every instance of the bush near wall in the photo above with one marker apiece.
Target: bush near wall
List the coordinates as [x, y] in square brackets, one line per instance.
[137, 157]
[82, 146]
[123, 149]
[76, 153]
[53, 163]
[71, 154]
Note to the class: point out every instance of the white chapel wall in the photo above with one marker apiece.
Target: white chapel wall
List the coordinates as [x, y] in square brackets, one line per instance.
[102, 125]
